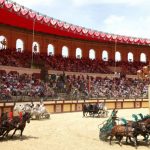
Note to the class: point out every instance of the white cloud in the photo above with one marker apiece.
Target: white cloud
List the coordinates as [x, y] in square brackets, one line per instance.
[126, 2]
[34, 3]
[125, 26]
[113, 19]
[132, 21]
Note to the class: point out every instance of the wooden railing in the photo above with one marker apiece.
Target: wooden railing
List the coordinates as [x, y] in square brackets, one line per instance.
[61, 106]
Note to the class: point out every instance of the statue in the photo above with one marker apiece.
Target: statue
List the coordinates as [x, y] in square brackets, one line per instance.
[35, 48]
[3, 42]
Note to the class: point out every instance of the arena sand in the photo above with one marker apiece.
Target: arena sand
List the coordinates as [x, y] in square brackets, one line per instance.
[67, 131]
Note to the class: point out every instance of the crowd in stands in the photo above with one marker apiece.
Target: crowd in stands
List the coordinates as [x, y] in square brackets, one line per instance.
[17, 87]
[9, 57]
[105, 88]
[119, 88]
[128, 67]
[23, 59]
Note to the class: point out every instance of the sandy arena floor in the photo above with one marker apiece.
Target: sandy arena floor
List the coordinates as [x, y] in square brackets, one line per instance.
[68, 131]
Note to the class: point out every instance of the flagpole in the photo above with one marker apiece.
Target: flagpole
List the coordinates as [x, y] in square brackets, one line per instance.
[115, 59]
[33, 41]
[149, 98]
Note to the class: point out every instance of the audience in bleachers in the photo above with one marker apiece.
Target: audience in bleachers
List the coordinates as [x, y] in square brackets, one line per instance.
[15, 86]
[23, 59]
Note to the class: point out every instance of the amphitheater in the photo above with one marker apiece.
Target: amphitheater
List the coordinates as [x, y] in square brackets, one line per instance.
[64, 66]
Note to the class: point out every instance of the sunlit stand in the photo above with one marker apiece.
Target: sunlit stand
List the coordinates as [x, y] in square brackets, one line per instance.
[144, 73]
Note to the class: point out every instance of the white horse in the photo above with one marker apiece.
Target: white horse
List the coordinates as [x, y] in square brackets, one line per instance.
[23, 107]
[103, 109]
[37, 111]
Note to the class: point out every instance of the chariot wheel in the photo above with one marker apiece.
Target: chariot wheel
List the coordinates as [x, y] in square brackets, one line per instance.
[47, 116]
[103, 136]
[37, 117]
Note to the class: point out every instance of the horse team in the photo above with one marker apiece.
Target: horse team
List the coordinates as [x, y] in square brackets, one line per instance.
[128, 129]
[9, 122]
[99, 110]
[37, 111]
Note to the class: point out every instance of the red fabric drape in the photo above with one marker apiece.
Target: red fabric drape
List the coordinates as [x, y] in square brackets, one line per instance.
[24, 11]
[8, 5]
[2, 1]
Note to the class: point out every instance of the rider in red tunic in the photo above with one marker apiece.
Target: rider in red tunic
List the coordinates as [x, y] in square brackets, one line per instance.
[20, 115]
[10, 116]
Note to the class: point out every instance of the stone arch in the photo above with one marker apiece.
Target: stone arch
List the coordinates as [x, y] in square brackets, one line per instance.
[50, 49]
[117, 56]
[105, 55]
[78, 53]
[130, 57]
[143, 57]
[65, 51]
[92, 54]
[3, 42]
[19, 45]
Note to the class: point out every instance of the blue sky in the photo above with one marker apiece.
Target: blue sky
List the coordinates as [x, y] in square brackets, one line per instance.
[123, 17]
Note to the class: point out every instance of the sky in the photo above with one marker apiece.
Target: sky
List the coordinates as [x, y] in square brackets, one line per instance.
[123, 17]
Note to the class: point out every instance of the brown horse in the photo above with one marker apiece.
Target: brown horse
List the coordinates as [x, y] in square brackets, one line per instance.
[120, 131]
[133, 131]
[3, 118]
[16, 123]
[146, 122]
[26, 118]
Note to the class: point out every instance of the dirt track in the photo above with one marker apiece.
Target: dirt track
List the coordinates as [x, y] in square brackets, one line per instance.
[69, 131]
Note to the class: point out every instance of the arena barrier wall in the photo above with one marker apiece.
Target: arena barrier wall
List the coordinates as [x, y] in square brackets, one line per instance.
[63, 106]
